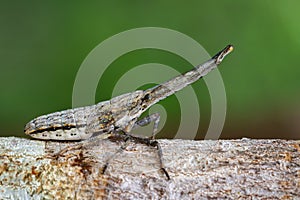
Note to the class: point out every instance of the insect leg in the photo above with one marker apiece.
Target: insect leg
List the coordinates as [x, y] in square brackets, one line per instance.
[155, 117]
[152, 143]
[121, 149]
[156, 144]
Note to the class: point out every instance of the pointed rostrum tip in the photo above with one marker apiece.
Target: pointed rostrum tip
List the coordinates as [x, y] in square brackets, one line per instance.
[221, 55]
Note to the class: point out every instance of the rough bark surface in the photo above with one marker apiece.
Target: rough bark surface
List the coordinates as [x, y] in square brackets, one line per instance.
[232, 169]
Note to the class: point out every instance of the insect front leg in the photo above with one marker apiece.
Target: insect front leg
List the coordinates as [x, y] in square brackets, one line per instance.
[151, 140]
[155, 117]
[152, 143]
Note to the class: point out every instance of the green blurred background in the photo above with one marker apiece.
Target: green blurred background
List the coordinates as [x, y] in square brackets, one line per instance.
[42, 45]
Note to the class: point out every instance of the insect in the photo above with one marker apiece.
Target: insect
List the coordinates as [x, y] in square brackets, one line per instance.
[118, 115]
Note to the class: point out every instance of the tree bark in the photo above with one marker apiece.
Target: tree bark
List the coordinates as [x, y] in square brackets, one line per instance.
[232, 169]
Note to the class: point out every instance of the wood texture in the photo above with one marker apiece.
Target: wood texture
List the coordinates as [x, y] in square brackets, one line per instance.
[233, 169]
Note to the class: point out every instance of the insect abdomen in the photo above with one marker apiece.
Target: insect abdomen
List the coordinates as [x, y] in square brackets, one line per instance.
[65, 125]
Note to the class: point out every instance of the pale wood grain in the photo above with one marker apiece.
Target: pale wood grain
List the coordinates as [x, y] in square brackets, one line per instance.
[234, 169]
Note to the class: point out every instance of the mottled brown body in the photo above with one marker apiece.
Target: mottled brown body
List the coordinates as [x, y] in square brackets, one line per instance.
[121, 113]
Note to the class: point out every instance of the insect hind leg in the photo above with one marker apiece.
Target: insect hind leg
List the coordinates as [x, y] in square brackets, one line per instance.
[120, 150]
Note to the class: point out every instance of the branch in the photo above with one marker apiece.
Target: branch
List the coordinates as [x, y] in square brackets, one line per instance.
[234, 169]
